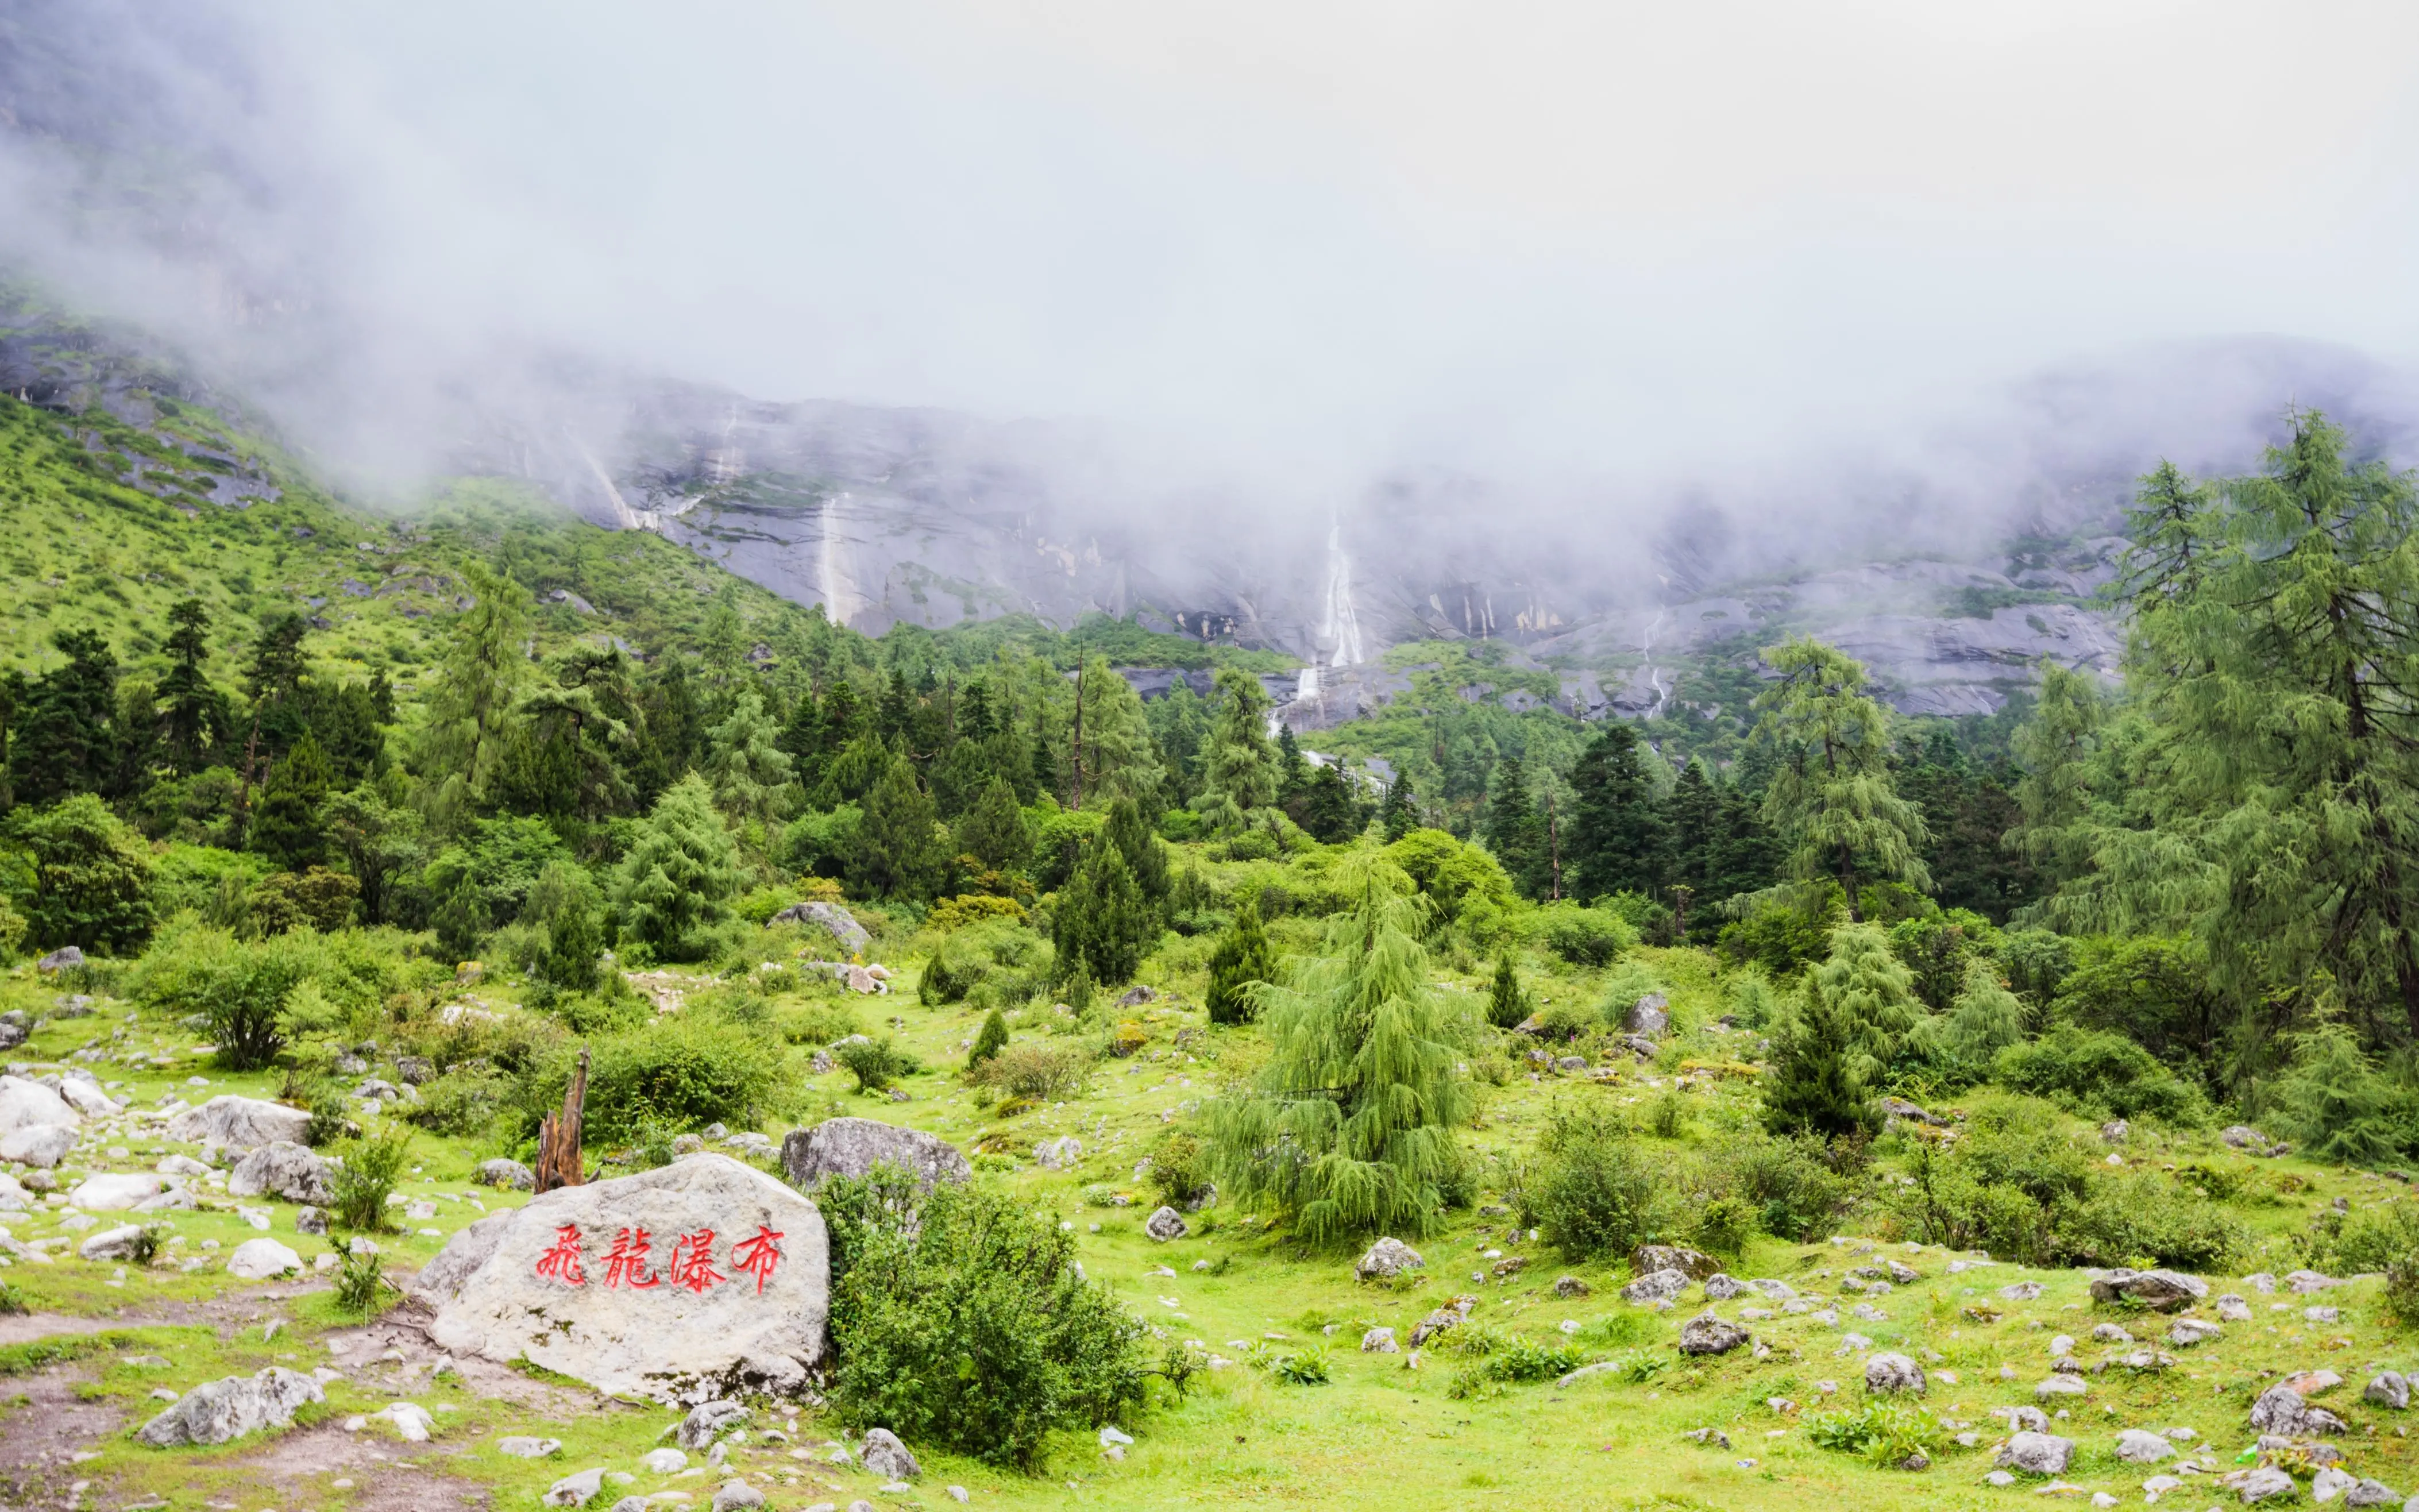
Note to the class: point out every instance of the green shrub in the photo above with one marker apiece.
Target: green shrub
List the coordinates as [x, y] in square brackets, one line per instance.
[360, 1185]
[1302, 1367]
[951, 972]
[1036, 1073]
[80, 876]
[1599, 1195]
[1797, 1194]
[316, 898]
[360, 1281]
[238, 987]
[1885, 1432]
[1647, 919]
[687, 1069]
[1725, 1226]
[990, 1040]
[825, 1021]
[2099, 1072]
[876, 1063]
[1506, 1003]
[1586, 936]
[1937, 947]
[1179, 1170]
[331, 1118]
[961, 1320]
[464, 1102]
[2364, 1242]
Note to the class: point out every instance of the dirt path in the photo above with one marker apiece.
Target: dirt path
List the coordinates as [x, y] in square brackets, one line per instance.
[45, 1427]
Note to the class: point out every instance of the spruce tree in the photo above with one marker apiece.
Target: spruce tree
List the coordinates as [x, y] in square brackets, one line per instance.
[994, 831]
[65, 737]
[286, 827]
[1146, 857]
[1101, 922]
[1243, 959]
[750, 773]
[1615, 840]
[194, 725]
[989, 1040]
[1815, 1085]
[1832, 799]
[675, 884]
[1293, 772]
[1400, 813]
[1516, 828]
[1348, 1128]
[901, 849]
[1507, 1006]
[1328, 812]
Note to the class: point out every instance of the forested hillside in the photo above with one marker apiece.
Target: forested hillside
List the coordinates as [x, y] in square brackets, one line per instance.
[414, 822]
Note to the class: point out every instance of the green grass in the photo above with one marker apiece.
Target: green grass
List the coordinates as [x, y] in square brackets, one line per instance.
[1375, 1434]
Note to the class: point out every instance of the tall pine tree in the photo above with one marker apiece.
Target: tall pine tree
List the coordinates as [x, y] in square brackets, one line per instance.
[1615, 840]
[1832, 799]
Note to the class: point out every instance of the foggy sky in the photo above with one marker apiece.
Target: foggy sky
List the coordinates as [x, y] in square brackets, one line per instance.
[1598, 252]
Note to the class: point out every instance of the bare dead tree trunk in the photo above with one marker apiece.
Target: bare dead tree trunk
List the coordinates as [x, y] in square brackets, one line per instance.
[558, 1137]
[1554, 844]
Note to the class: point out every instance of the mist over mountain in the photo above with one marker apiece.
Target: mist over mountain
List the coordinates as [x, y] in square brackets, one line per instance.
[1052, 384]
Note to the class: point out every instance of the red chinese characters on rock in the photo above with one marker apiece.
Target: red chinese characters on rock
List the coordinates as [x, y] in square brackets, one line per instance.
[562, 1258]
[691, 1264]
[757, 1257]
[626, 1266]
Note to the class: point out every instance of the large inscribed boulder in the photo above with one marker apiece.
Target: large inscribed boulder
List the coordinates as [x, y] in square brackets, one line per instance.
[684, 1284]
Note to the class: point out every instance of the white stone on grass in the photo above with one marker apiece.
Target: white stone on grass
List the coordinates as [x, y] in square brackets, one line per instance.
[239, 1123]
[260, 1259]
[218, 1411]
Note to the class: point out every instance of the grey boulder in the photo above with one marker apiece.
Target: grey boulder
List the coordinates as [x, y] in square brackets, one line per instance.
[2136, 1447]
[707, 1422]
[853, 1146]
[26, 1104]
[40, 1144]
[284, 1169]
[1893, 1373]
[2391, 1389]
[2159, 1290]
[1656, 1285]
[832, 919]
[2036, 1454]
[1721, 1287]
[219, 1411]
[112, 1244]
[62, 959]
[884, 1455]
[235, 1122]
[1708, 1334]
[508, 1173]
[1386, 1259]
[1649, 1016]
[574, 1490]
[2263, 1483]
[736, 1494]
[1695, 1264]
[1164, 1224]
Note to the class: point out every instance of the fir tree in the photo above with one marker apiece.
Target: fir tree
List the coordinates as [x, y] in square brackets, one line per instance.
[749, 772]
[1814, 1086]
[1615, 840]
[287, 828]
[1349, 1127]
[1293, 772]
[670, 729]
[1507, 1006]
[989, 1040]
[1985, 1019]
[1832, 799]
[1400, 813]
[194, 725]
[674, 886]
[1516, 828]
[994, 831]
[65, 737]
[901, 849]
[1243, 959]
[1101, 922]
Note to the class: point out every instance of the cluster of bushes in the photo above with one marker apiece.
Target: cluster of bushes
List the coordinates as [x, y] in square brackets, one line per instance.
[962, 1319]
[2016, 1184]
[1599, 1189]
